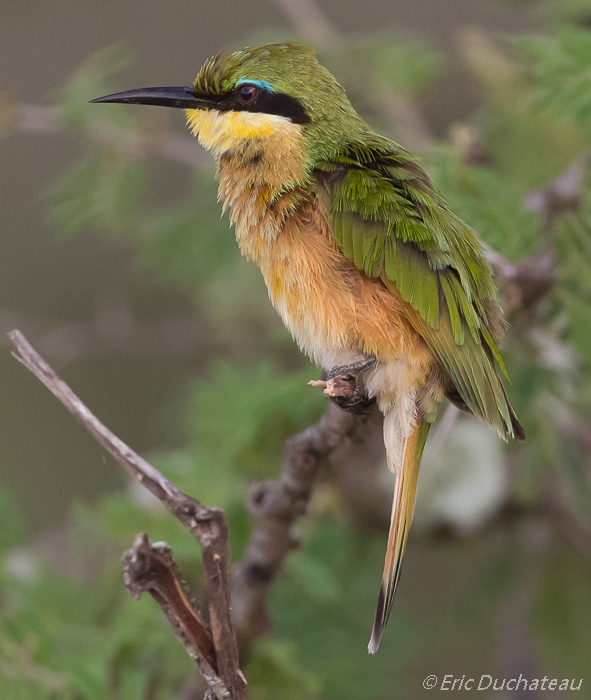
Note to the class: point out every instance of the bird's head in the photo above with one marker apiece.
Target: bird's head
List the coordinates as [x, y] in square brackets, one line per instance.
[276, 92]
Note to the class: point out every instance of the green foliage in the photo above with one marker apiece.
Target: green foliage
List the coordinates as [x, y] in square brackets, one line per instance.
[82, 639]
[491, 203]
[562, 72]
[90, 639]
[406, 67]
[190, 243]
[575, 266]
[61, 637]
[248, 412]
[99, 191]
[95, 78]
[326, 601]
[190, 246]
[313, 604]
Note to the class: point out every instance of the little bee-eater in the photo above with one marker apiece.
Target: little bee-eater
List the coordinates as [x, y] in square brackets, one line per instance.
[365, 263]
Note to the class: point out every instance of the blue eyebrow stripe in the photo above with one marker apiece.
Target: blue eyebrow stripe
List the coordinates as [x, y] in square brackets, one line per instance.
[259, 83]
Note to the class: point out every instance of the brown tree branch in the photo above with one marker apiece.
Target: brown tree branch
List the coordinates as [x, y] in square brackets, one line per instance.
[523, 282]
[207, 525]
[275, 505]
[150, 568]
[561, 195]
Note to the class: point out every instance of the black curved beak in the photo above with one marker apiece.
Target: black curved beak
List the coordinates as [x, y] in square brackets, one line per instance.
[180, 97]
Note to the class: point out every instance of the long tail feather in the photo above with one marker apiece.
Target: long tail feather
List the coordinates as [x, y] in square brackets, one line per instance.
[404, 455]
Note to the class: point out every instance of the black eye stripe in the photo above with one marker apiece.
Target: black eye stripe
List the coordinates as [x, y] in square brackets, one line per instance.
[284, 106]
[265, 102]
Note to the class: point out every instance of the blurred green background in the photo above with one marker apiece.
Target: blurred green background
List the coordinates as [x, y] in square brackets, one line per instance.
[117, 266]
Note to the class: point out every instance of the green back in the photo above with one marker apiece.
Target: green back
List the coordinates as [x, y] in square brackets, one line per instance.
[391, 222]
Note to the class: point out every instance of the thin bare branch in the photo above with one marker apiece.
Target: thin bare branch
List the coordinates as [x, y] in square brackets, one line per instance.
[207, 525]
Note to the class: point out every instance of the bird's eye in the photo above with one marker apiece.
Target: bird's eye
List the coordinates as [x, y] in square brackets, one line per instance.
[247, 93]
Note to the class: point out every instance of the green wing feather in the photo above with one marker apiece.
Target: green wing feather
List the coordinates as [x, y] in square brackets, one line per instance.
[391, 222]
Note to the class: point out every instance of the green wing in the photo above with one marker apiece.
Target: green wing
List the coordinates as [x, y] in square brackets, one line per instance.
[391, 222]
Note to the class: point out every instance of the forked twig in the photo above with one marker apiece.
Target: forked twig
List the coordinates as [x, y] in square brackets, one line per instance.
[207, 525]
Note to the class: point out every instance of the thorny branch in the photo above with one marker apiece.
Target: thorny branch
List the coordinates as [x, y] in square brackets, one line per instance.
[207, 525]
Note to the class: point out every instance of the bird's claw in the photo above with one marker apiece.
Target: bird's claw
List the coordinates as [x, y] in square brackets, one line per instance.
[346, 387]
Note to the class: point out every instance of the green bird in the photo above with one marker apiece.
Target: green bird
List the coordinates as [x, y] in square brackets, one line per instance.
[367, 266]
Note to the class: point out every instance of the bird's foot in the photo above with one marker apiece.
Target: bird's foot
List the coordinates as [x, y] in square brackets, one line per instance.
[345, 386]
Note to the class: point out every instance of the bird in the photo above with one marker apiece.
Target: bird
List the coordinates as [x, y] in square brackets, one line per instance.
[364, 261]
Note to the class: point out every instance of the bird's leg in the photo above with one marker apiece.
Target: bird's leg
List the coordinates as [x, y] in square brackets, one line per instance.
[345, 386]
